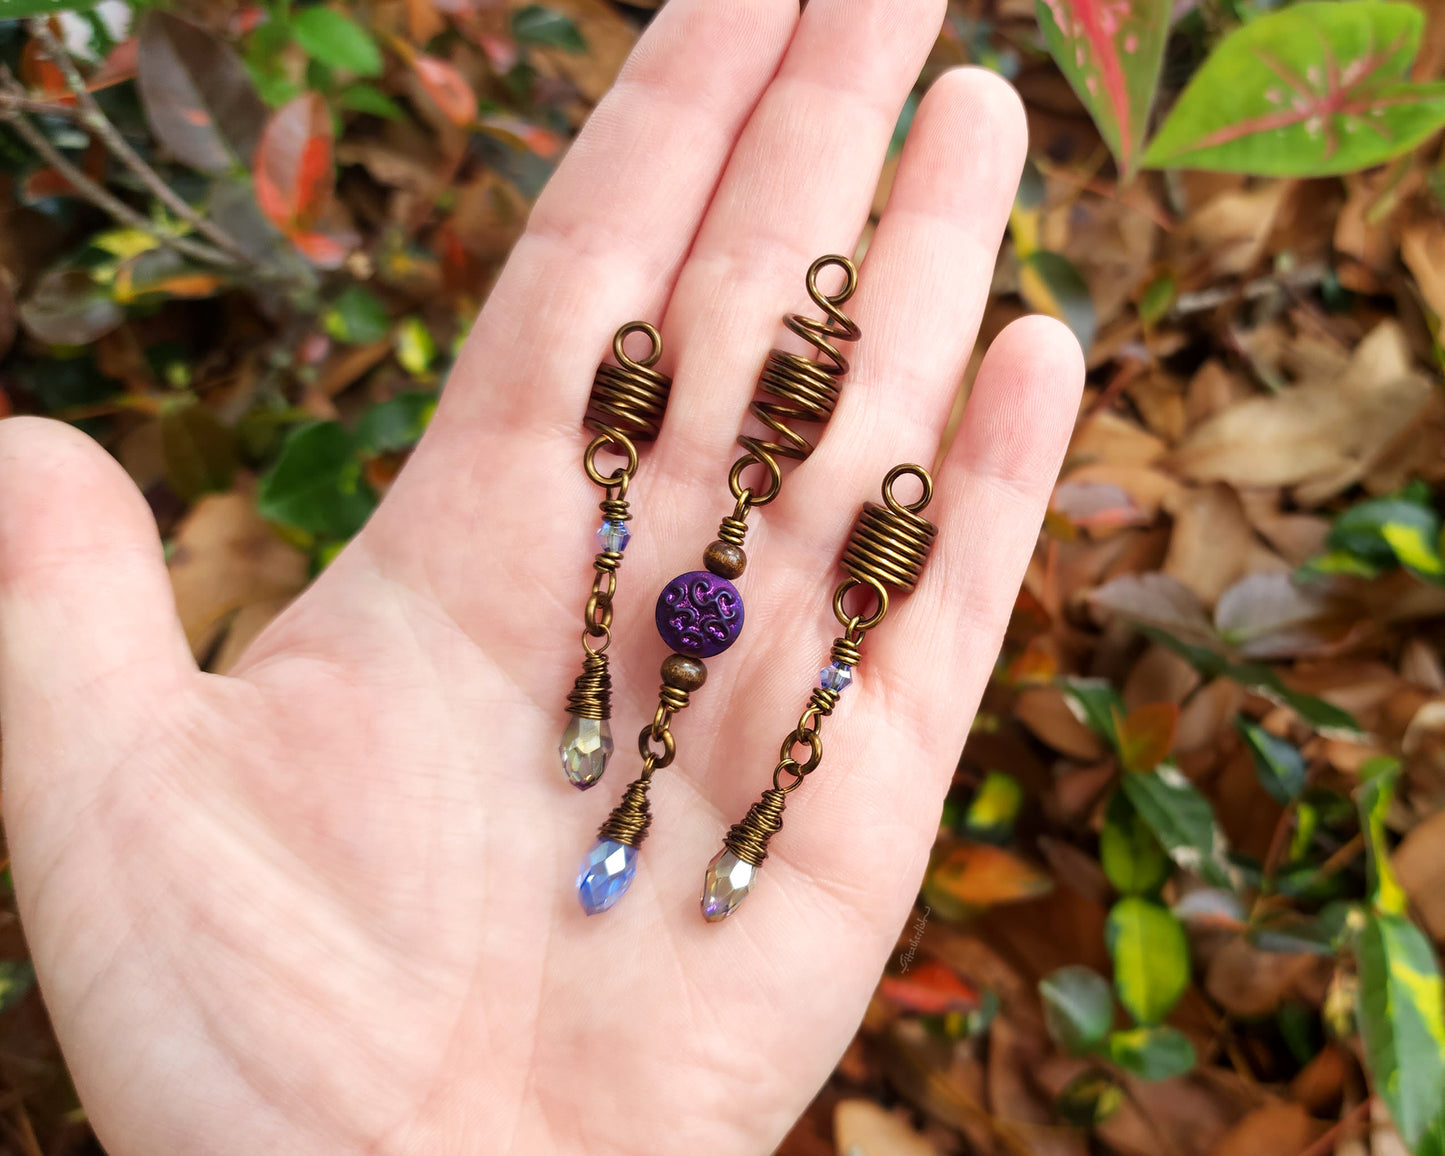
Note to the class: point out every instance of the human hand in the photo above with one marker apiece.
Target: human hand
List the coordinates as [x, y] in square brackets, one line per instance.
[325, 904]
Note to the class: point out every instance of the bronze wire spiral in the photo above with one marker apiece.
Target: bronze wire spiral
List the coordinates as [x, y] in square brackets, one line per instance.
[793, 388]
[887, 550]
[790, 388]
[626, 407]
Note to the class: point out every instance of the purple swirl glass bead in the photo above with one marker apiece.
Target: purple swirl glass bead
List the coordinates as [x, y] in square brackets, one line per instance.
[699, 614]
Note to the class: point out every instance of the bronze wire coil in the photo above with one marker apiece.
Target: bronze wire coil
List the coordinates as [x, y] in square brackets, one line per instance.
[795, 388]
[887, 550]
[626, 407]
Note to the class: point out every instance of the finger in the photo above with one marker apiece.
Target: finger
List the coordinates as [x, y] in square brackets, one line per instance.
[606, 238]
[932, 661]
[922, 293]
[800, 184]
[88, 626]
[892, 749]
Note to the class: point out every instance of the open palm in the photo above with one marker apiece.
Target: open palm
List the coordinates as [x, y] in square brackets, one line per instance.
[326, 904]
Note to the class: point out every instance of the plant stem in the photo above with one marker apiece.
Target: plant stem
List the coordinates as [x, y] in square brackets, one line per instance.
[1326, 1143]
[89, 189]
[94, 118]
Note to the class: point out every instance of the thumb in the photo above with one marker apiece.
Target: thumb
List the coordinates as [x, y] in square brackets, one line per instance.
[88, 627]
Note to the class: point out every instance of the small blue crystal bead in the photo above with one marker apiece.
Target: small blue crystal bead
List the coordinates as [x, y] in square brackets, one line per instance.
[605, 875]
[835, 677]
[613, 536]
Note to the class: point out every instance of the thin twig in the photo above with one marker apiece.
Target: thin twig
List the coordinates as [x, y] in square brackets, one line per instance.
[94, 118]
[1326, 1143]
[95, 194]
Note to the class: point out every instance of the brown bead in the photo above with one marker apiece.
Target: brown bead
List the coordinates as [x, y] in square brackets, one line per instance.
[682, 672]
[724, 559]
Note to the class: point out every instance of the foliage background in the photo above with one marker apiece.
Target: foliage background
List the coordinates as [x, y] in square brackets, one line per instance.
[1190, 884]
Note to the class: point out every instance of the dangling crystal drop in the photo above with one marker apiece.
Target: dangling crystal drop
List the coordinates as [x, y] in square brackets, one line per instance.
[585, 748]
[726, 884]
[605, 875]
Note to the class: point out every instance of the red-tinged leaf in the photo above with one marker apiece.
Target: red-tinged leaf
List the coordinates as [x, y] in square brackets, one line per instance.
[40, 74]
[120, 65]
[931, 989]
[1146, 735]
[1313, 89]
[197, 94]
[1096, 506]
[502, 52]
[522, 134]
[982, 875]
[293, 171]
[325, 250]
[448, 88]
[1110, 50]
[1036, 665]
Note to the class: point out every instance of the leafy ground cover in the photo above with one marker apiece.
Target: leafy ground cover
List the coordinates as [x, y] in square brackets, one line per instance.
[1189, 889]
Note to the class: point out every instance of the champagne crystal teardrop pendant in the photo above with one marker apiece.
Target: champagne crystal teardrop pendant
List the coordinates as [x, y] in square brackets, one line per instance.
[626, 408]
[886, 551]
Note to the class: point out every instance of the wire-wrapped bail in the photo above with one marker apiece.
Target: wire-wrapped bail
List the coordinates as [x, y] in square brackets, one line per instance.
[890, 543]
[629, 399]
[795, 388]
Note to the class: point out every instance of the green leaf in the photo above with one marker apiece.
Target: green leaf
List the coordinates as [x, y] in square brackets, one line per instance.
[17, 977]
[18, 9]
[1309, 90]
[1078, 1007]
[1151, 957]
[1386, 532]
[994, 809]
[199, 452]
[1051, 284]
[370, 99]
[1155, 1053]
[1090, 1098]
[535, 24]
[337, 41]
[415, 347]
[1110, 50]
[395, 424]
[1183, 821]
[1376, 791]
[1131, 855]
[1323, 716]
[316, 483]
[1402, 1023]
[1096, 704]
[1278, 764]
[357, 316]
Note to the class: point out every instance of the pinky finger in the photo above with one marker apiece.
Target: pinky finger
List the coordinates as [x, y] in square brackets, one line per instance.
[989, 502]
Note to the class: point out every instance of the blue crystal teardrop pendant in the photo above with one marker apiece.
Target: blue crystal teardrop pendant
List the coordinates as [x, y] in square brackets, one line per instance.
[605, 875]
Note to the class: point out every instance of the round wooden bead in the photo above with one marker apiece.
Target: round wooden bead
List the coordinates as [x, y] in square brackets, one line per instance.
[682, 672]
[724, 559]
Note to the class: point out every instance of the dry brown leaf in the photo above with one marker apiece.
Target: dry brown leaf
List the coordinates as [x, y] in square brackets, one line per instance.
[1207, 715]
[865, 1128]
[244, 629]
[1160, 401]
[1420, 863]
[1326, 433]
[1212, 545]
[1160, 675]
[1274, 1130]
[1319, 1085]
[1420, 664]
[1012, 1056]
[1422, 248]
[1107, 437]
[1212, 390]
[1270, 615]
[1251, 983]
[1046, 713]
[1147, 488]
[1231, 231]
[1297, 537]
[225, 557]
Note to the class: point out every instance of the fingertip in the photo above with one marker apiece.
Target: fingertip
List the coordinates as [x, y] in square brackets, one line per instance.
[65, 497]
[1021, 414]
